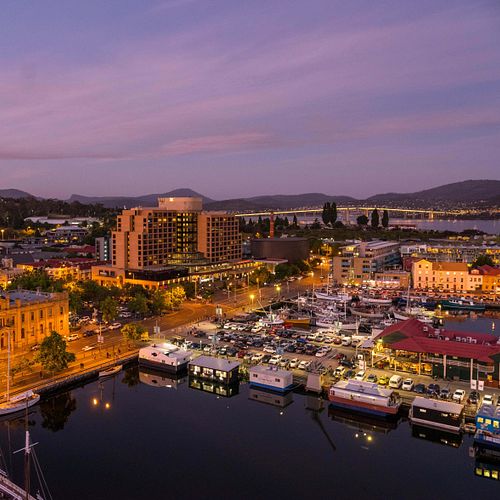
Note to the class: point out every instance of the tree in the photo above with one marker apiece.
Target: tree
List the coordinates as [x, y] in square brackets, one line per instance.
[109, 309]
[483, 260]
[316, 224]
[53, 354]
[138, 305]
[362, 220]
[332, 215]
[385, 219]
[375, 218]
[325, 216]
[37, 280]
[133, 331]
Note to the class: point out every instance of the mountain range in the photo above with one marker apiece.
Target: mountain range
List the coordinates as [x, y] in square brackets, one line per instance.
[482, 191]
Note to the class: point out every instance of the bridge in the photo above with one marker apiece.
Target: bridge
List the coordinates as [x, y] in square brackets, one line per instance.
[353, 209]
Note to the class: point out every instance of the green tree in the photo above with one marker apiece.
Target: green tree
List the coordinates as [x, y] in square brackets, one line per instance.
[375, 218]
[362, 220]
[385, 219]
[325, 215]
[178, 296]
[138, 305]
[260, 276]
[133, 331]
[53, 354]
[109, 309]
[483, 260]
[37, 280]
[332, 213]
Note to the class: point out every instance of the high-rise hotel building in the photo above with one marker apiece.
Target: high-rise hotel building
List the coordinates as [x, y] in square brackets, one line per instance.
[170, 241]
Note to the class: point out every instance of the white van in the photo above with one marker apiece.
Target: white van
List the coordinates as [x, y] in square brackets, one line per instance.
[346, 341]
[395, 382]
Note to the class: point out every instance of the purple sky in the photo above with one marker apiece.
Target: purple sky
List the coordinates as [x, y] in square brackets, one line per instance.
[236, 98]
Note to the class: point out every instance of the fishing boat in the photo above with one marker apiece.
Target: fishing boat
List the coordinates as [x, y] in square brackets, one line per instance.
[337, 297]
[376, 301]
[462, 305]
[367, 313]
[365, 397]
[19, 402]
[108, 372]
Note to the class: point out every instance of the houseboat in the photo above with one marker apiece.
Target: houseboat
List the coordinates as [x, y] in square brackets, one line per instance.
[270, 378]
[434, 413]
[364, 397]
[214, 369]
[167, 357]
[487, 436]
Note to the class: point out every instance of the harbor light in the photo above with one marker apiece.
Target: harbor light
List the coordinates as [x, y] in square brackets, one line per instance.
[95, 402]
[107, 406]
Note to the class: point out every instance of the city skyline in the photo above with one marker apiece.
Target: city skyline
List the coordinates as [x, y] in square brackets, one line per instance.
[242, 100]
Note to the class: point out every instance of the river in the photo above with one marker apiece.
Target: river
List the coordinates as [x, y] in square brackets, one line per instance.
[138, 437]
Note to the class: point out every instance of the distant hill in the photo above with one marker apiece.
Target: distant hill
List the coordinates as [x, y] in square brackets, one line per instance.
[148, 200]
[15, 194]
[465, 191]
[277, 202]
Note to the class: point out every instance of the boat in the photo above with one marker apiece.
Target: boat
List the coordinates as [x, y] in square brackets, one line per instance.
[338, 297]
[19, 402]
[166, 357]
[271, 378]
[365, 397]
[366, 313]
[271, 320]
[375, 301]
[462, 305]
[108, 372]
[301, 322]
[434, 413]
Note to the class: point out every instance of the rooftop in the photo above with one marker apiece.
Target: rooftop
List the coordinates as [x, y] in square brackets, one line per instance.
[26, 296]
[270, 370]
[220, 364]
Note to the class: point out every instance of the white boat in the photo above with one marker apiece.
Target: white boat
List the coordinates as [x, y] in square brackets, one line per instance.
[372, 300]
[271, 320]
[166, 357]
[108, 372]
[338, 297]
[18, 402]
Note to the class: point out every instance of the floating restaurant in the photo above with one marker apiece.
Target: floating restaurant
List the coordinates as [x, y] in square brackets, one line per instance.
[415, 347]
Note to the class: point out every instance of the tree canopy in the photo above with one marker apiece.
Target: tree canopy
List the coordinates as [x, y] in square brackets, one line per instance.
[53, 354]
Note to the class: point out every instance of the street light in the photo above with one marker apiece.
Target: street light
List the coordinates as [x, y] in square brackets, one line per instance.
[252, 296]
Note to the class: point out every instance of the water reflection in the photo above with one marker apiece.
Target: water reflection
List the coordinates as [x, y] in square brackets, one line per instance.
[131, 376]
[362, 423]
[219, 389]
[55, 411]
[437, 436]
[156, 378]
[270, 398]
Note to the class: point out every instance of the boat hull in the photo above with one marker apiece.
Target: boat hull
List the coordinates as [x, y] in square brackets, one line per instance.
[163, 366]
[20, 406]
[364, 407]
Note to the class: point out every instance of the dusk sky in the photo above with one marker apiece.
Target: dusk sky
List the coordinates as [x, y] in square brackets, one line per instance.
[240, 98]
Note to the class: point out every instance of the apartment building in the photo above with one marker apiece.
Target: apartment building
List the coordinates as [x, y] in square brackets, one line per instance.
[31, 316]
[358, 262]
[219, 237]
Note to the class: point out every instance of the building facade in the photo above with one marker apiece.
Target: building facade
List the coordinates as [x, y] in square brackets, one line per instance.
[219, 238]
[358, 263]
[31, 316]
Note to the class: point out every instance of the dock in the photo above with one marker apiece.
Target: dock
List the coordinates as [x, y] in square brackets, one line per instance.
[12, 491]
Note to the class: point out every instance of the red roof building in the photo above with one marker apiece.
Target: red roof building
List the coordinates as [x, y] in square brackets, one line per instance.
[449, 353]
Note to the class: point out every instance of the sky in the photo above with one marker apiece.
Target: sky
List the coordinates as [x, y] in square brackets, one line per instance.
[233, 98]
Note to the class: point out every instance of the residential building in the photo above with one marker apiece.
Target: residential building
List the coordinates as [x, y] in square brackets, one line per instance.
[31, 316]
[103, 249]
[358, 262]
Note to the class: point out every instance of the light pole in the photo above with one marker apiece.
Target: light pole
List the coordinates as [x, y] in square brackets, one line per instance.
[252, 297]
[278, 289]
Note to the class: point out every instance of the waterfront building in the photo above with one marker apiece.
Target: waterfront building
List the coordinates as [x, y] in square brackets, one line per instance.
[31, 316]
[490, 279]
[445, 276]
[174, 242]
[450, 251]
[358, 262]
[415, 347]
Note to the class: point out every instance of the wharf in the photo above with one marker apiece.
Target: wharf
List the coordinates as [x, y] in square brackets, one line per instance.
[11, 491]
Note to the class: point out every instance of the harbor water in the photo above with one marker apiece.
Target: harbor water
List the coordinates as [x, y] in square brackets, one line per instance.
[140, 435]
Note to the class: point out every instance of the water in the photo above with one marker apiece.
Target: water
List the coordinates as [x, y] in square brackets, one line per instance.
[165, 442]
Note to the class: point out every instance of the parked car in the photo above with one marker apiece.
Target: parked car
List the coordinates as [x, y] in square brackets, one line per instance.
[304, 365]
[115, 326]
[383, 380]
[473, 398]
[72, 336]
[257, 357]
[35, 347]
[458, 395]
[88, 348]
[294, 363]
[275, 359]
[372, 378]
[420, 389]
[349, 374]
[88, 333]
[396, 381]
[408, 384]
[444, 393]
[488, 399]
[433, 390]
[339, 371]
[360, 375]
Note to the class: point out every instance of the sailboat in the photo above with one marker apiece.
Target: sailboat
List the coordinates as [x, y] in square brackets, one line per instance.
[19, 402]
